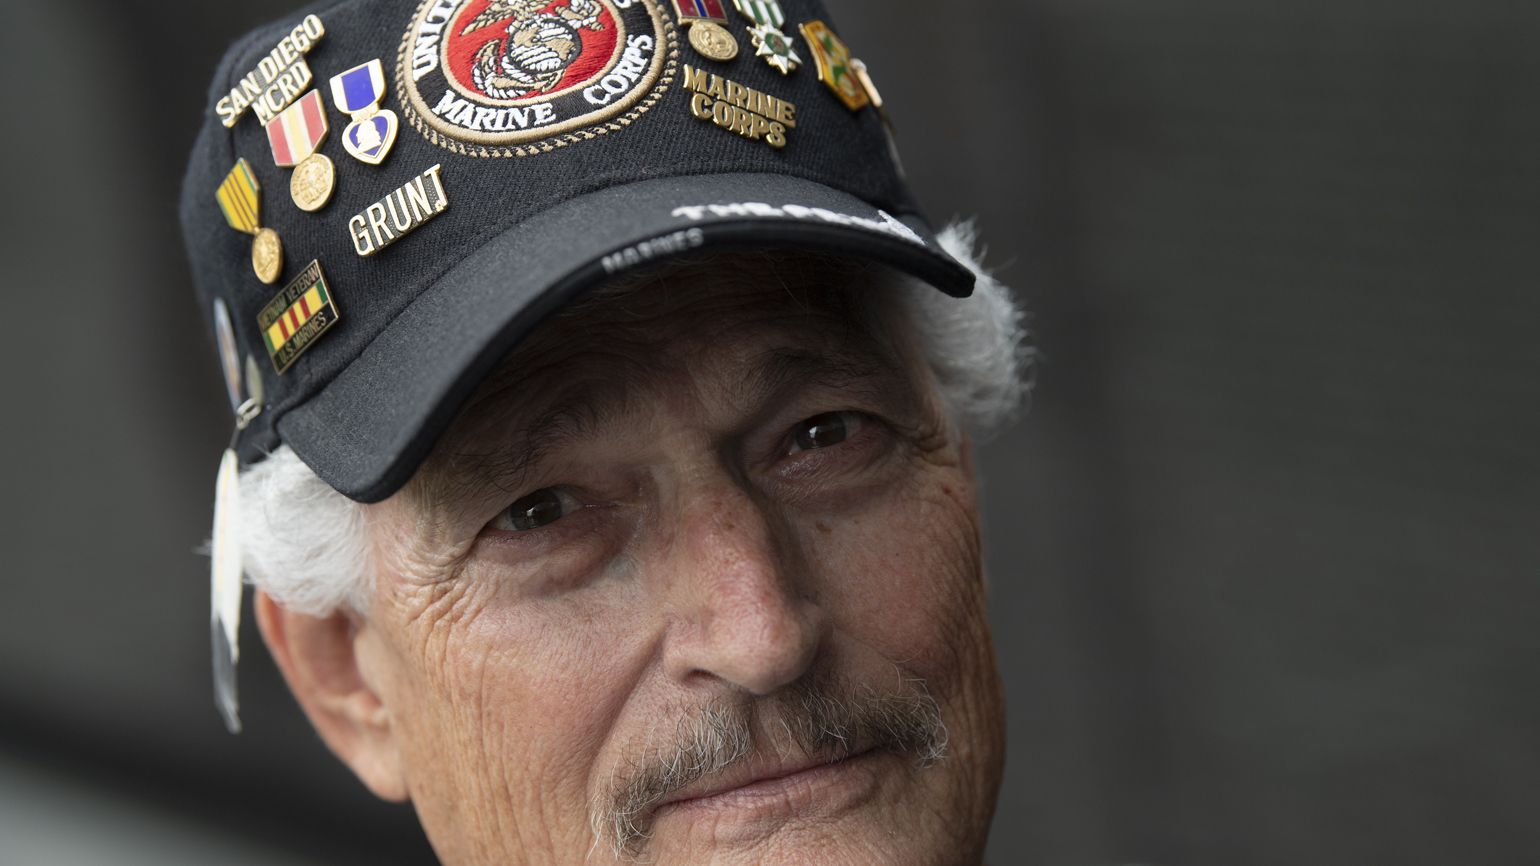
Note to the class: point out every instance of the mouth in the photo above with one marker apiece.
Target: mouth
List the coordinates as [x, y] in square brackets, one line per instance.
[795, 785]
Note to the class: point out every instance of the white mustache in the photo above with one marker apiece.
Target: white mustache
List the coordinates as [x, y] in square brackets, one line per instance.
[828, 720]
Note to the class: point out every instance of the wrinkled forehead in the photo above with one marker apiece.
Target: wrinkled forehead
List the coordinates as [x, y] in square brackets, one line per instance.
[740, 324]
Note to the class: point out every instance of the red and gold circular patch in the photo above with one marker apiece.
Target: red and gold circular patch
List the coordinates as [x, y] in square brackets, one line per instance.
[514, 77]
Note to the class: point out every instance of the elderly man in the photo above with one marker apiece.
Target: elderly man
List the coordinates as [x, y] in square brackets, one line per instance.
[602, 454]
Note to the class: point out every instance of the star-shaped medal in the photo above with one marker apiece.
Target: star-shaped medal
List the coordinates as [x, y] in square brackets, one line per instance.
[775, 47]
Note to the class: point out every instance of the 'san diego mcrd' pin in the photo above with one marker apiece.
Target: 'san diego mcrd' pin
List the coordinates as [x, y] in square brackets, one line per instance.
[240, 198]
[706, 18]
[279, 76]
[294, 136]
[769, 42]
[357, 93]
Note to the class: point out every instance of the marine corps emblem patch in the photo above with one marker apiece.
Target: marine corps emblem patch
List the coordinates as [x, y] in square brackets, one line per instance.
[517, 77]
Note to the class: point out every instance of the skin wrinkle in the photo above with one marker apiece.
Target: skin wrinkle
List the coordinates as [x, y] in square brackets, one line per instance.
[572, 416]
[579, 409]
[305, 544]
[523, 701]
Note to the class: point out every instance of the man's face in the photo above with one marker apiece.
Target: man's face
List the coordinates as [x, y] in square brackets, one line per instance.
[695, 578]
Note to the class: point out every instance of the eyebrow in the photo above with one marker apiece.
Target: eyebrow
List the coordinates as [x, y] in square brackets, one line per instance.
[581, 410]
[576, 413]
[867, 372]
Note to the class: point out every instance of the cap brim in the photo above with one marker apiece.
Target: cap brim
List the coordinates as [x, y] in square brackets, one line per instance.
[368, 430]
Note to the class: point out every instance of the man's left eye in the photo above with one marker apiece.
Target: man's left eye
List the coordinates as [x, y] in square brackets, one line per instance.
[822, 431]
[540, 508]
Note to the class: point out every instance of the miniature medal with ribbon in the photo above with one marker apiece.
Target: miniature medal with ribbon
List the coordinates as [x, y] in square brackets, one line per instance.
[294, 135]
[357, 93]
[708, 33]
[240, 198]
[769, 42]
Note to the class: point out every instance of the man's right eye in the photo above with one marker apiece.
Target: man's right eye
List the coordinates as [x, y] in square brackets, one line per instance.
[541, 508]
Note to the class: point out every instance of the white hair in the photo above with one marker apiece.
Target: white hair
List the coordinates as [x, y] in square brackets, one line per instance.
[305, 544]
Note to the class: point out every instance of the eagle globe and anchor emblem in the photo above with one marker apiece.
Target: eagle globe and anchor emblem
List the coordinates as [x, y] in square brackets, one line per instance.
[515, 77]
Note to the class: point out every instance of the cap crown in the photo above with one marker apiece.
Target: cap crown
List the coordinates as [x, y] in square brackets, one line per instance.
[521, 105]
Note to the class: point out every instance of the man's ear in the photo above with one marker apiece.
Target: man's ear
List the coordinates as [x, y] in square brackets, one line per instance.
[319, 659]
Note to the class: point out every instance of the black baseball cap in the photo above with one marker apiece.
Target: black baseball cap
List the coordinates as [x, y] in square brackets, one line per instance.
[539, 148]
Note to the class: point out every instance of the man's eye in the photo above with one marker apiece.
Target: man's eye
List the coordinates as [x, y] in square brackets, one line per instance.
[541, 508]
[821, 431]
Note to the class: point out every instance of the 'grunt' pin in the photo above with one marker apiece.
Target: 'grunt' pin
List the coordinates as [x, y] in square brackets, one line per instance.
[405, 210]
[277, 79]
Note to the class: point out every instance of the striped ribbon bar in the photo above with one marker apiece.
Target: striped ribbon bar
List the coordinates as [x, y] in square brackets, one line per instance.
[297, 317]
[288, 324]
[358, 89]
[701, 10]
[240, 197]
[296, 132]
[763, 12]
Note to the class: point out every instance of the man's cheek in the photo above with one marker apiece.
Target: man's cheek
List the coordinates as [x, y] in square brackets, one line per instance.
[423, 598]
[509, 678]
[504, 751]
[906, 575]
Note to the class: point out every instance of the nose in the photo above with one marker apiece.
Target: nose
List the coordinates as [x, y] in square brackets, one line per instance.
[741, 614]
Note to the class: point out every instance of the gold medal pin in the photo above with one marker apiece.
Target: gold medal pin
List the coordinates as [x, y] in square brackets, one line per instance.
[709, 35]
[294, 135]
[240, 198]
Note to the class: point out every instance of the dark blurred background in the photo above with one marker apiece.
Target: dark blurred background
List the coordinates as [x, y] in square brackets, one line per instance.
[1264, 554]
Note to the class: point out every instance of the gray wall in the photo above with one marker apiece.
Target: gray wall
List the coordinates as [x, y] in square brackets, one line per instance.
[1263, 555]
